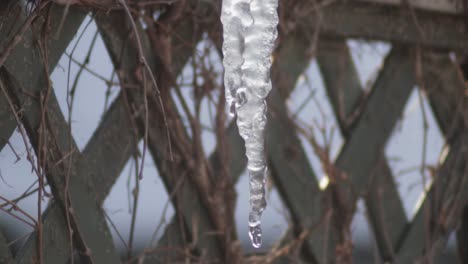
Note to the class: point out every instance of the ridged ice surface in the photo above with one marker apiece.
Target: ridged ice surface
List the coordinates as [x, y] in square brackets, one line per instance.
[249, 31]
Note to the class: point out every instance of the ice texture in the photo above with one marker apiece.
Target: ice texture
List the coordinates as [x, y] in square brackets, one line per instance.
[249, 31]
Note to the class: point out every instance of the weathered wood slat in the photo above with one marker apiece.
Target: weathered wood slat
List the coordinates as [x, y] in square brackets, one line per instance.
[441, 210]
[443, 6]
[5, 253]
[237, 164]
[109, 149]
[293, 174]
[341, 81]
[170, 246]
[398, 58]
[7, 121]
[31, 69]
[345, 94]
[364, 149]
[445, 87]
[115, 33]
[462, 232]
[105, 156]
[448, 194]
[55, 238]
[385, 210]
[353, 19]
[293, 57]
[462, 237]
[381, 112]
[90, 228]
[88, 222]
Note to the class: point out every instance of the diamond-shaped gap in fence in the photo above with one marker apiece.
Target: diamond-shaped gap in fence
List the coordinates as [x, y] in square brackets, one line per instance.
[313, 114]
[86, 71]
[275, 218]
[154, 209]
[201, 77]
[405, 152]
[368, 57]
[18, 184]
[363, 241]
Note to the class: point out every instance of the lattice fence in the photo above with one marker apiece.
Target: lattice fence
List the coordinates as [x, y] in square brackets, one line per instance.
[425, 45]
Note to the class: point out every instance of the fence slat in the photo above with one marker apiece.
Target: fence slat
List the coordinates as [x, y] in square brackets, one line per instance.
[293, 175]
[448, 194]
[31, 69]
[345, 94]
[352, 19]
[295, 178]
[445, 87]
[86, 217]
[361, 153]
[115, 35]
[341, 82]
[31, 81]
[171, 246]
[180, 57]
[5, 253]
[444, 6]
[7, 120]
[105, 155]
[109, 149]
[441, 210]
[382, 109]
[91, 228]
[385, 210]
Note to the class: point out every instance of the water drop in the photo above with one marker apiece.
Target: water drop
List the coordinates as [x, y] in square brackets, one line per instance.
[255, 234]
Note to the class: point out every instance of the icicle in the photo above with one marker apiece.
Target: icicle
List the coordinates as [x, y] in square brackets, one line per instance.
[249, 30]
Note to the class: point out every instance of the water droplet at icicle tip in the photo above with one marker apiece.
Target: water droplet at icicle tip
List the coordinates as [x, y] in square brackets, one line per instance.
[249, 33]
[255, 234]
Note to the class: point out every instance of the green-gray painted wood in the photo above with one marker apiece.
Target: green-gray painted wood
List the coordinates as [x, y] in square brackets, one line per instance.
[5, 253]
[384, 207]
[357, 19]
[443, 205]
[91, 233]
[105, 155]
[90, 229]
[23, 63]
[114, 31]
[365, 145]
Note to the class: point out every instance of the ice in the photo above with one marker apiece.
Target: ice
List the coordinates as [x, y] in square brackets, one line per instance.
[249, 31]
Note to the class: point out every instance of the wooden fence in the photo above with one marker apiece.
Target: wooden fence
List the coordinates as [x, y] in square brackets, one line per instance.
[74, 223]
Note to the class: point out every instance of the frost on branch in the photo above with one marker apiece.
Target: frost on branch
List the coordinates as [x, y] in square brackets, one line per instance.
[249, 31]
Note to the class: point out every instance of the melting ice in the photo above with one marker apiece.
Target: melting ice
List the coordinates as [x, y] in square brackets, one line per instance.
[249, 31]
